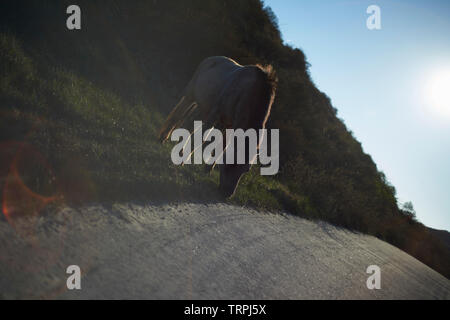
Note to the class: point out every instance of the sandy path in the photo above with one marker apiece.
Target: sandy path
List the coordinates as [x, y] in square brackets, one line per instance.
[203, 251]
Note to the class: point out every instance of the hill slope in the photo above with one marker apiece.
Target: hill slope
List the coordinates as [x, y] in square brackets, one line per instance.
[89, 102]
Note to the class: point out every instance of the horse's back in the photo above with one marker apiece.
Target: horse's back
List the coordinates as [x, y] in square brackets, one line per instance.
[218, 74]
[211, 76]
[218, 62]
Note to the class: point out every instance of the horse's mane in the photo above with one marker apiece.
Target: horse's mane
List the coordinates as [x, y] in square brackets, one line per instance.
[271, 76]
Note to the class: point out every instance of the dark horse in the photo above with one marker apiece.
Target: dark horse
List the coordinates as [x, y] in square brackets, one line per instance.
[225, 95]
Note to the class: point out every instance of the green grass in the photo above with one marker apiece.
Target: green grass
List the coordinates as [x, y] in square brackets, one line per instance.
[102, 148]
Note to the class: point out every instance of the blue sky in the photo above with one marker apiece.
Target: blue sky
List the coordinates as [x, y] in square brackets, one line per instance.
[382, 82]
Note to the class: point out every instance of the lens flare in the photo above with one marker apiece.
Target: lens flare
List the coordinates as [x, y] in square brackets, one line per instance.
[438, 93]
[21, 205]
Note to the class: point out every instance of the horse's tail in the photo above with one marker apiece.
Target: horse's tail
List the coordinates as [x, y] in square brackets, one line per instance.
[181, 111]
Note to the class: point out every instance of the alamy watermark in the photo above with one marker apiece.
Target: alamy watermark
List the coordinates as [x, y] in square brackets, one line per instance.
[373, 22]
[73, 22]
[235, 147]
[373, 281]
[74, 280]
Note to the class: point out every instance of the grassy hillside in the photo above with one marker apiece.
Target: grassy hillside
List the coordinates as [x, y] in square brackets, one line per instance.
[88, 104]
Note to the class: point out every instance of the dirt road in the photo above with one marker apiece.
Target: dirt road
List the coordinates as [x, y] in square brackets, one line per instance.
[200, 251]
